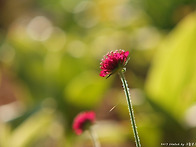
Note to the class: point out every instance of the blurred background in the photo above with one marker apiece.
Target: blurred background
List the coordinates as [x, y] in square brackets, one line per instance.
[50, 53]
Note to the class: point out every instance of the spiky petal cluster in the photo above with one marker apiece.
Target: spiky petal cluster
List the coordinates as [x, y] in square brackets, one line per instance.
[113, 61]
[82, 121]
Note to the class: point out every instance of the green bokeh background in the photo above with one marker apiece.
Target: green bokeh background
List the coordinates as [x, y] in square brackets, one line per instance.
[50, 53]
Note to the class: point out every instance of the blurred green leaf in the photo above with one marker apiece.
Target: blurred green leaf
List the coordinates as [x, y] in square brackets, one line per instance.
[33, 128]
[86, 89]
[172, 79]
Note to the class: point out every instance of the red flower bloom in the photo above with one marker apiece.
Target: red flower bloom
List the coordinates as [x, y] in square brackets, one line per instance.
[82, 121]
[113, 61]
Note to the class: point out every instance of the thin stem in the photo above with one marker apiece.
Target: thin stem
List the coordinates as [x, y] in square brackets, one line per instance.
[94, 138]
[131, 113]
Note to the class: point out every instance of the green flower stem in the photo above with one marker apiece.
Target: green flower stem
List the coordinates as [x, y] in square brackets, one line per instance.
[128, 97]
[94, 138]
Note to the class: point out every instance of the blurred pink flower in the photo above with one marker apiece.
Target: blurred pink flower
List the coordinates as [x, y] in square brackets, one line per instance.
[83, 121]
[113, 61]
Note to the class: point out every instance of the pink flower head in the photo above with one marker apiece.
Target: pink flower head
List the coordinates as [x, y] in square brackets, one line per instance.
[82, 121]
[113, 61]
